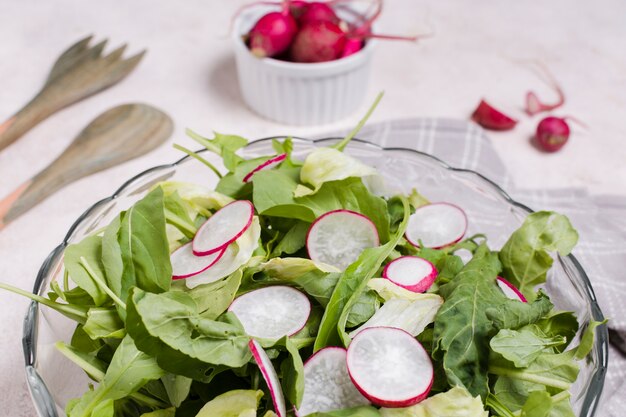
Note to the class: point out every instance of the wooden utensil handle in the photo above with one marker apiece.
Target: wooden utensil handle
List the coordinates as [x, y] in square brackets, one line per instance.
[16, 203]
[24, 120]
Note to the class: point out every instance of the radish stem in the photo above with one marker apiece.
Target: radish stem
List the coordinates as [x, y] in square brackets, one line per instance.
[199, 158]
[101, 283]
[76, 313]
[342, 145]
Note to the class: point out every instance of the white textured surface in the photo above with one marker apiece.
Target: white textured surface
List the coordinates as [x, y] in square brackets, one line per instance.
[190, 73]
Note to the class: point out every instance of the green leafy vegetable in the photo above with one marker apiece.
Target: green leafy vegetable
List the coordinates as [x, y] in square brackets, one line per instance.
[457, 402]
[238, 403]
[525, 256]
[84, 264]
[523, 346]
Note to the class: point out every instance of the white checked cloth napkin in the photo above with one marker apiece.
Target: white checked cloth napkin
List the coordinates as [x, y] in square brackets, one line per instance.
[600, 220]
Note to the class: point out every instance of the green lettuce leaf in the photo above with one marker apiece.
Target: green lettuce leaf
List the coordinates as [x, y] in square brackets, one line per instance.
[457, 402]
[237, 403]
[524, 345]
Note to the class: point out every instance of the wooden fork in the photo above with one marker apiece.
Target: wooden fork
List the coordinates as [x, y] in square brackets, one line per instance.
[79, 72]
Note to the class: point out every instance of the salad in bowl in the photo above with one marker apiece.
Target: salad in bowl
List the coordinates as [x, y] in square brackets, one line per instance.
[308, 281]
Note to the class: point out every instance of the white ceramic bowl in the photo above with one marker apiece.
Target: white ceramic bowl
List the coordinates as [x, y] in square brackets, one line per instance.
[299, 93]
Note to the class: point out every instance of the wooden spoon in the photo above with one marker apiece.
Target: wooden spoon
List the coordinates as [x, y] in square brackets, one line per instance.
[118, 135]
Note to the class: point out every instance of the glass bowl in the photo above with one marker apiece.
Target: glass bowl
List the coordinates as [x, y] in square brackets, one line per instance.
[53, 380]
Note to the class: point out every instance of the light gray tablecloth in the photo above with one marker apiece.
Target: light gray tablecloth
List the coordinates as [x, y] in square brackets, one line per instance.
[600, 220]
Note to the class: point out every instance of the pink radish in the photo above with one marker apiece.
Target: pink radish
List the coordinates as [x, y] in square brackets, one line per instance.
[316, 11]
[552, 133]
[390, 367]
[272, 34]
[353, 45]
[411, 272]
[185, 264]
[338, 237]
[510, 291]
[318, 41]
[269, 164]
[327, 384]
[490, 118]
[534, 105]
[223, 227]
[272, 312]
[436, 225]
[270, 376]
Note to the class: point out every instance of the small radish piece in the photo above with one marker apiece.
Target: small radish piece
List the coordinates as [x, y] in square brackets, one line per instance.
[223, 227]
[436, 225]
[270, 376]
[272, 34]
[411, 272]
[185, 264]
[269, 164]
[552, 133]
[390, 367]
[352, 46]
[318, 41]
[316, 11]
[338, 237]
[510, 291]
[533, 104]
[272, 312]
[327, 384]
[490, 118]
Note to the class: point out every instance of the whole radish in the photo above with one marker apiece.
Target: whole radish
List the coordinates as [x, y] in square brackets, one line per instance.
[552, 133]
[353, 45]
[318, 41]
[317, 11]
[272, 34]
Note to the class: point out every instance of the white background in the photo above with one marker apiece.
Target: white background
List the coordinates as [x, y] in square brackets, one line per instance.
[189, 72]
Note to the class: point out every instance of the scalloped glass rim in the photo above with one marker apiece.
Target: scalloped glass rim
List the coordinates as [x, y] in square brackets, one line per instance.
[45, 404]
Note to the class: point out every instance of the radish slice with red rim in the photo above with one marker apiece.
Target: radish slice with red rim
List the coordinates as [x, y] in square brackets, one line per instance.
[223, 227]
[510, 291]
[272, 312]
[270, 376]
[269, 164]
[338, 237]
[436, 225]
[327, 384]
[185, 264]
[390, 367]
[411, 272]
[490, 118]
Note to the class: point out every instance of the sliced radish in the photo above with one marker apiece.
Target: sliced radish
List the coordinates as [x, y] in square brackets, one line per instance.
[269, 164]
[411, 272]
[390, 367]
[436, 225]
[223, 227]
[338, 237]
[510, 291]
[270, 376]
[272, 312]
[185, 264]
[327, 384]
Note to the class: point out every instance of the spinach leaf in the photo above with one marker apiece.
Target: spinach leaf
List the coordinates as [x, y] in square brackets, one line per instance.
[293, 240]
[129, 370]
[351, 284]
[461, 326]
[538, 404]
[273, 195]
[82, 258]
[523, 346]
[177, 214]
[214, 298]
[525, 256]
[83, 342]
[560, 323]
[292, 372]
[177, 388]
[144, 246]
[111, 256]
[364, 308]
[512, 314]
[104, 323]
[169, 327]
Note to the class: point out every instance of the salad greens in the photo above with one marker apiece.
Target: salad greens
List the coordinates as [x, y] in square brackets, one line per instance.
[163, 348]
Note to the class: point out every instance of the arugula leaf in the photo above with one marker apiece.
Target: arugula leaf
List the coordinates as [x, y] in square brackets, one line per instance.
[524, 345]
[293, 240]
[144, 246]
[351, 284]
[129, 370]
[525, 256]
[364, 308]
[461, 325]
[168, 327]
[560, 323]
[213, 299]
[223, 145]
[80, 256]
[112, 256]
